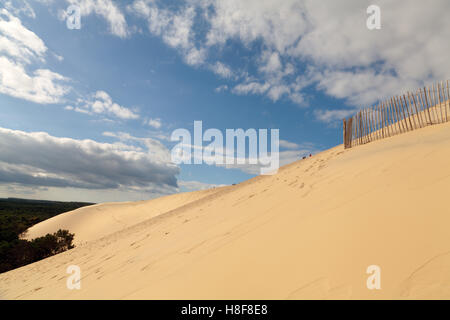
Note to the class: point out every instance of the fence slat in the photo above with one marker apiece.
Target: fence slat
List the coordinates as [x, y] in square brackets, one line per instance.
[388, 120]
[421, 108]
[361, 122]
[380, 124]
[400, 102]
[372, 123]
[448, 97]
[399, 118]
[377, 115]
[436, 104]
[433, 105]
[444, 100]
[388, 105]
[427, 104]
[419, 118]
[432, 110]
[438, 100]
[343, 134]
[392, 122]
[366, 122]
[408, 113]
[441, 100]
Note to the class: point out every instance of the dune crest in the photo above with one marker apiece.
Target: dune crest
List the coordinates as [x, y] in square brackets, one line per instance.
[309, 231]
[97, 221]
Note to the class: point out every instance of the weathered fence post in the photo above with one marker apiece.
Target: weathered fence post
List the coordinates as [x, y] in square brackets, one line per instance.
[419, 118]
[409, 114]
[390, 120]
[344, 135]
[427, 104]
[448, 97]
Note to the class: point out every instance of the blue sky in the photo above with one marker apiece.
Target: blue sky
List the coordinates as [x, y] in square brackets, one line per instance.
[137, 70]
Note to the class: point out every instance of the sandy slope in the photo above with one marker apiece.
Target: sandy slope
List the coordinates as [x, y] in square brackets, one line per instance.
[96, 221]
[310, 231]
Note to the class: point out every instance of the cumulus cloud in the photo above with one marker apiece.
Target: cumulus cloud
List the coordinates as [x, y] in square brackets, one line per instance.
[288, 145]
[309, 43]
[222, 70]
[155, 123]
[43, 86]
[174, 27]
[39, 159]
[102, 103]
[106, 9]
[20, 7]
[333, 115]
[19, 47]
[251, 87]
[221, 88]
[17, 41]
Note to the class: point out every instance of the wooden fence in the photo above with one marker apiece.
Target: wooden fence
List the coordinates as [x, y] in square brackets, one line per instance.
[399, 114]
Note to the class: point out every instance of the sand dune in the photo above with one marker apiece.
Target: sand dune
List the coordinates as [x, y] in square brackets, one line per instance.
[97, 221]
[310, 232]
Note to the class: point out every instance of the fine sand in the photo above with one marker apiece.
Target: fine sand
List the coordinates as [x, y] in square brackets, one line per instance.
[97, 221]
[309, 231]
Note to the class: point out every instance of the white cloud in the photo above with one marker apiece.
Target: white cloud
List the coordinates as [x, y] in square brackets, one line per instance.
[330, 116]
[43, 86]
[363, 87]
[19, 7]
[221, 88]
[222, 70]
[58, 57]
[323, 44]
[271, 62]
[278, 23]
[194, 56]
[106, 9]
[101, 103]
[39, 159]
[17, 41]
[155, 123]
[20, 47]
[251, 87]
[288, 145]
[174, 27]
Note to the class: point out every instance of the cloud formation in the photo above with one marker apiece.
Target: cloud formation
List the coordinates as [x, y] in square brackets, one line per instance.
[307, 43]
[175, 27]
[19, 47]
[106, 9]
[19, 7]
[39, 159]
[155, 123]
[102, 103]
